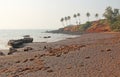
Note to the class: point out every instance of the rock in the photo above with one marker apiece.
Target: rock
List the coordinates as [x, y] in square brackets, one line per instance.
[108, 49]
[25, 60]
[49, 71]
[31, 59]
[68, 66]
[20, 42]
[28, 40]
[102, 50]
[17, 62]
[58, 54]
[87, 57]
[45, 47]
[45, 68]
[16, 76]
[26, 36]
[12, 50]
[15, 43]
[28, 48]
[2, 54]
[81, 64]
[47, 36]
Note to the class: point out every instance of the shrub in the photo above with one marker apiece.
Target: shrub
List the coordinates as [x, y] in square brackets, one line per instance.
[115, 26]
[85, 26]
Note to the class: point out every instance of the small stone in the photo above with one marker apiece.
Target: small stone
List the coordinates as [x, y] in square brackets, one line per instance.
[58, 55]
[35, 56]
[65, 52]
[2, 54]
[83, 46]
[25, 49]
[25, 60]
[16, 76]
[81, 64]
[102, 50]
[45, 68]
[31, 59]
[29, 48]
[108, 49]
[69, 67]
[26, 69]
[50, 71]
[45, 47]
[17, 62]
[87, 57]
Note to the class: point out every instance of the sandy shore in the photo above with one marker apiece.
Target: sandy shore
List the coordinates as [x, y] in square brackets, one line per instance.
[90, 55]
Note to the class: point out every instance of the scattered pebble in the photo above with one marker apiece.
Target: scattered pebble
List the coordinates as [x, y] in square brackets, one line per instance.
[68, 67]
[87, 57]
[108, 49]
[81, 64]
[17, 62]
[25, 60]
[31, 59]
[45, 68]
[50, 71]
[102, 50]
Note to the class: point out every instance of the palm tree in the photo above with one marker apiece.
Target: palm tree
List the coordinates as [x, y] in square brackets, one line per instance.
[69, 18]
[66, 20]
[62, 20]
[78, 14]
[96, 15]
[88, 15]
[75, 16]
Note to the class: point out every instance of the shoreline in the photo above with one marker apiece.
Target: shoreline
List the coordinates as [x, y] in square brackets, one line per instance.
[61, 31]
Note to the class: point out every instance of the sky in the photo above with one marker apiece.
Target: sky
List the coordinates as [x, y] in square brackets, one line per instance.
[46, 14]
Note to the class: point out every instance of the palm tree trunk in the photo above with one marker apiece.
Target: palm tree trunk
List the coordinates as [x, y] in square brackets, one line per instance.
[76, 21]
[79, 21]
[88, 19]
[63, 24]
[66, 23]
[69, 22]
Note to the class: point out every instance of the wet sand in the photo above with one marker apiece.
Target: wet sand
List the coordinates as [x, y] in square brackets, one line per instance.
[90, 55]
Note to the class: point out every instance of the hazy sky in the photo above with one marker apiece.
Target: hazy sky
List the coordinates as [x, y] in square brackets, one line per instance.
[46, 14]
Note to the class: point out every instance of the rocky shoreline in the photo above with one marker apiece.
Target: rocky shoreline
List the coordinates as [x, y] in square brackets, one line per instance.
[62, 31]
[90, 55]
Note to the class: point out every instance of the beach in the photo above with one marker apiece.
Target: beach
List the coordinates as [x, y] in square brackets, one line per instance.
[90, 55]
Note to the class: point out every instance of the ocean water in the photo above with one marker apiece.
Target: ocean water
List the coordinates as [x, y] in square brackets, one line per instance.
[6, 35]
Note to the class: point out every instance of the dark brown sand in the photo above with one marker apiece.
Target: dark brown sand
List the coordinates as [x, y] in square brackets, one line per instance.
[91, 55]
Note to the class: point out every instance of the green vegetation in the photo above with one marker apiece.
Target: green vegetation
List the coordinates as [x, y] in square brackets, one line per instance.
[113, 17]
[85, 26]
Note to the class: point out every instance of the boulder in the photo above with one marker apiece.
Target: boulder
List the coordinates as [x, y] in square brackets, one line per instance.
[15, 43]
[27, 40]
[18, 43]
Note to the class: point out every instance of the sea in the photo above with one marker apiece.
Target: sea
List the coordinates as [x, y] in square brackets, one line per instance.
[38, 36]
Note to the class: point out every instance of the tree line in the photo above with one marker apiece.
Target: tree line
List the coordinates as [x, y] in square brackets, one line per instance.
[67, 19]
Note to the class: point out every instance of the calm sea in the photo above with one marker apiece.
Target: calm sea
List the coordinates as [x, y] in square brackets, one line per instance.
[6, 35]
